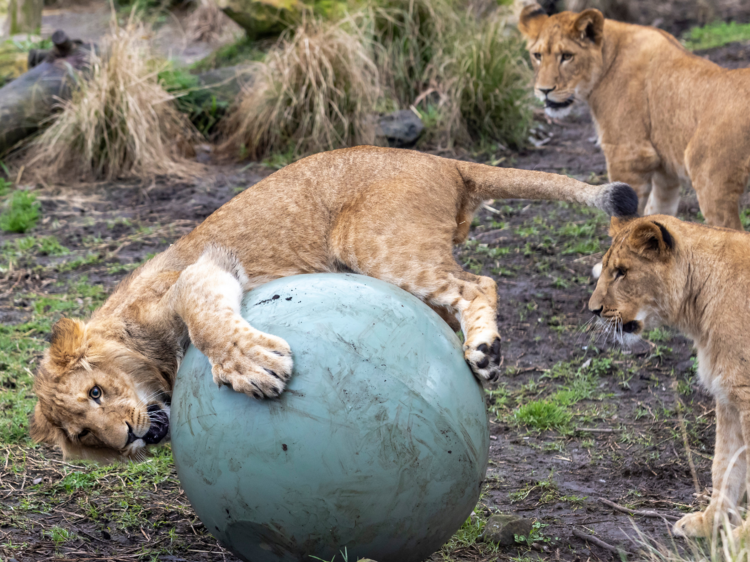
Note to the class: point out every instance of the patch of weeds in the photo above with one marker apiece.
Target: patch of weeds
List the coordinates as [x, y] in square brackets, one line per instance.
[526, 231]
[716, 34]
[88, 259]
[659, 335]
[59, 535]
[543, 415]
[585, 247]
[497, 400]
[502, 272]
[21, 212]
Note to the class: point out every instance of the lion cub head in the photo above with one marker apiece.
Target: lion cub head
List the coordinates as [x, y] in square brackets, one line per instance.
[566, 53]
[98, 399]
[634, 290]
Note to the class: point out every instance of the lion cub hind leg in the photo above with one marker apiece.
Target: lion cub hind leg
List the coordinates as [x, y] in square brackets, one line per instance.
[728, 475]
[207, 297]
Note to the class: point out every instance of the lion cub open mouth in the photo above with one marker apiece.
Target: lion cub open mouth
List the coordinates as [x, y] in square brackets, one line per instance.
[159, 429]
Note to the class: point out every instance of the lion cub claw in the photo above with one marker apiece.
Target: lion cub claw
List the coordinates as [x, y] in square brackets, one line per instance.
[484, 357]
[255, 364]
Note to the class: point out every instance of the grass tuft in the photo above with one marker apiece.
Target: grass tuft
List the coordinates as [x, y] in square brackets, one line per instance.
[21, 212]
[543, 415]
[119, 122]
[320, 86]
[314, 92]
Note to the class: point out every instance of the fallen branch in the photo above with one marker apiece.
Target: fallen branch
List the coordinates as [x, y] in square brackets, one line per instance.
[596, 430]
[642, 512]
[600, 543]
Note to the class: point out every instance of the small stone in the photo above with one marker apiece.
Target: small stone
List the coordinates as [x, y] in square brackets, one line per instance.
[400, 128]
[502, 529]
[36, 481]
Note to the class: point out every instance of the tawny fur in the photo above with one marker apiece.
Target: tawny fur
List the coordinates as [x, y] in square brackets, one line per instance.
[664, 117]
[387, 213]
[662, 271]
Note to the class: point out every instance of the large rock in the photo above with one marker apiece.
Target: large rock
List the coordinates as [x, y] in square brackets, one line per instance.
[262, 18]
[502, 529]
[400, 128]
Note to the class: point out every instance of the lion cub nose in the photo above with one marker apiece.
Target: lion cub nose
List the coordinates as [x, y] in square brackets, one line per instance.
[546, 91]
[597, 311]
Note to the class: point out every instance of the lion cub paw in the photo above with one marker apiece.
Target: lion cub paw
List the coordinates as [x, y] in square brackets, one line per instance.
[693, 525]
[254, 363]
[483, 356]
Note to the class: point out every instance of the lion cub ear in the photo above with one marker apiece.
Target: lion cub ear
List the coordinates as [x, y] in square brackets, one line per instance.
[531, 21]
[652, 239]
[589, 26]
[68, 344]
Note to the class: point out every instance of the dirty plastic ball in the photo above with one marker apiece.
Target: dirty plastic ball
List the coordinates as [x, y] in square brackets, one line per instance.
[378, 445]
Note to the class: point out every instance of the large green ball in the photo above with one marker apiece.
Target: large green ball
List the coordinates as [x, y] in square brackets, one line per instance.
[379, 443]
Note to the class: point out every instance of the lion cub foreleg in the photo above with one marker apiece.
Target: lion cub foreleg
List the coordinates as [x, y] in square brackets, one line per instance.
[207, 297]
[728, 477]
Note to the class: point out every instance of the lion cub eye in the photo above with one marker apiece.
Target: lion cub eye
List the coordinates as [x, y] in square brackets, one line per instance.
[619, 273]
[566, 56]
[95, 393]
[83, 434]
[537, 56]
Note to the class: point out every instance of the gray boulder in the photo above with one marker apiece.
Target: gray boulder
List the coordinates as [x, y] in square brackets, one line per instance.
[400, 128]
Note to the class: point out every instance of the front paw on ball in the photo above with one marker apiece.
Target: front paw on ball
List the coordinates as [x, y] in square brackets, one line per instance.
[258, 371]
[484, 359]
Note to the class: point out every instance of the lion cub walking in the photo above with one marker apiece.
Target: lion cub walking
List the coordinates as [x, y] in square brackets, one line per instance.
[664, 116]
[662, 271]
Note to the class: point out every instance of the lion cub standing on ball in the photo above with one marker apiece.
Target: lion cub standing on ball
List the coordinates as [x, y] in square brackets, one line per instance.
[104, 386]
[664, 116]
[662, 271]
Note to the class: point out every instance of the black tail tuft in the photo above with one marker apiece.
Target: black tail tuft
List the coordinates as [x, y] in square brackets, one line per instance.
[621, 200]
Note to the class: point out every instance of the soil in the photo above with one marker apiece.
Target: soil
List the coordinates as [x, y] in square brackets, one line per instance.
[643, 439]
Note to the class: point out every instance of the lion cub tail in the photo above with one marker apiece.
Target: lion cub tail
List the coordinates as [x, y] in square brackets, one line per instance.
[488, 182]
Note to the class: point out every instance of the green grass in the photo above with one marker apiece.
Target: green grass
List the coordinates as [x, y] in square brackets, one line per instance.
[198, 102]
[716, 34]
[21, 212]
[543, 415]
[241, 51]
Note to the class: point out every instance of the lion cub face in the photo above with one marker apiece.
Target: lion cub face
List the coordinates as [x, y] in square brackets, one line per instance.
[634, 285]
[91, 404]
[566, 53]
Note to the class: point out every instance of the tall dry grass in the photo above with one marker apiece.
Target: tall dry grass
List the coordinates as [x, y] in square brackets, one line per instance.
[321, 84]
[315, 91]
[119, 122]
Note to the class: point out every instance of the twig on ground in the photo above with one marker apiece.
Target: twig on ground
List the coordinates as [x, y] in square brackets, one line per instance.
[598, 542]
[597, 430]
[642, 512]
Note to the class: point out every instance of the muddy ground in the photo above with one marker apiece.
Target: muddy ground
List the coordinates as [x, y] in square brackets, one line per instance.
[635, 429]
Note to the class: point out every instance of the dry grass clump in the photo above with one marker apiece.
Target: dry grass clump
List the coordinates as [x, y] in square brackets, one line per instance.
[315, 91]
[119, 122]
[321, 85]
[487, 86]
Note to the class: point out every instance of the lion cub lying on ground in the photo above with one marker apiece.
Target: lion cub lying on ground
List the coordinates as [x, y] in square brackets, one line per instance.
[104, 386]
[664, 116]
[662, 271]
